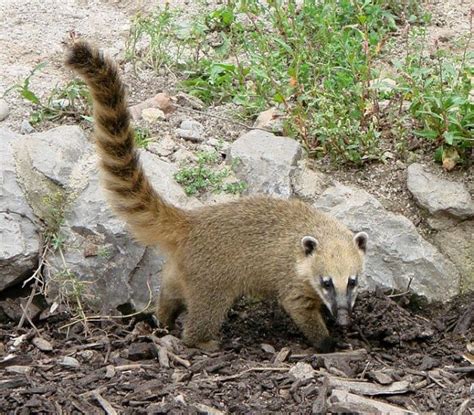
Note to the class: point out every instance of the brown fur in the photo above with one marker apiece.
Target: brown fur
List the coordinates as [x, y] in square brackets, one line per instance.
[217, 253]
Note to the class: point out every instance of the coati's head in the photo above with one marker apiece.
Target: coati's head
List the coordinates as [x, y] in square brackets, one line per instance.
[334, 268]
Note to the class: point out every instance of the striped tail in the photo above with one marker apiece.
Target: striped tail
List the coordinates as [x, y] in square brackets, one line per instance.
[150, 218]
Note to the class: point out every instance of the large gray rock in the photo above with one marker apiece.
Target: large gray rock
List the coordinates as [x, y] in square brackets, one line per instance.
[99, 250]
[55, 152]
[265, 162]
[396, 252]
[19, 239]
[442, 198]
[457, 243]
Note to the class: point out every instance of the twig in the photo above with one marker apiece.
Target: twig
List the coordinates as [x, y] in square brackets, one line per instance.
[25, 313]
[407, 291]
[252, 369]
[223, 118]
[159, 346]
[97, 318]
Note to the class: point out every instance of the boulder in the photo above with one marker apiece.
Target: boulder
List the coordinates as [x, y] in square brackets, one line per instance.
[440, 197]
[20, 242]
[457, 243]
[396, 252]
[265, 162]
[98, 250]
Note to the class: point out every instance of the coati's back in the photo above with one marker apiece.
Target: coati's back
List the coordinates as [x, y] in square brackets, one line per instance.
[253, 244]
[256, 245]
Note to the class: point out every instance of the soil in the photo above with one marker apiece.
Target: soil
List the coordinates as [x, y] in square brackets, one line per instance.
[113, 366]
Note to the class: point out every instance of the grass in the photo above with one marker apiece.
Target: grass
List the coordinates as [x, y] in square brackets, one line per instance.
[204, 176]
[317, 62]
[69, 100]
[142, 137]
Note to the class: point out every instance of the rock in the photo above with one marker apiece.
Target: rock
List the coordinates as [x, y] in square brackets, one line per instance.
[307, 183]
[191, 130]
[183, 156]
[100, 252]
[163, 147]
[457, 243]
[396, 252]
[160, 101]
[26, 127]
[186, 100]
[265, 162]
[42, 344]
[20, 241]
[270, 119]
[54, 153]
[302, 371]
[442, 198]
[152, 115]
[4, 109]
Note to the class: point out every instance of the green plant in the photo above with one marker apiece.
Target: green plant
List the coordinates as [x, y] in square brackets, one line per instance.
[205, 177]
[437, 88]
[142, 137]
[70, 100]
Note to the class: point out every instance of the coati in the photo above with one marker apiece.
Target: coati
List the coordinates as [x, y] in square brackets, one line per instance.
[262, 246]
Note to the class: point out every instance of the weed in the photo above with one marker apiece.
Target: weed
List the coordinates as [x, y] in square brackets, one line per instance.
[317, 61]
[54, 215]
[205, 177]
[70, 100]
[142, 137]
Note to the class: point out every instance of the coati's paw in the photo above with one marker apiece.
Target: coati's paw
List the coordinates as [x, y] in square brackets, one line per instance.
[326, 345]
[209, 346]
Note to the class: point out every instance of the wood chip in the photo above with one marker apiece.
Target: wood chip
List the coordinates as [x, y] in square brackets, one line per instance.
[320, 405]
[108, 408]
[267, 348]
[282, 355]
[380, 377]
[42, 344]
[21, 370]
[343, 401]
[204, 409]
[163, 356]
[68, 361]
[370, 389]
[13, 383]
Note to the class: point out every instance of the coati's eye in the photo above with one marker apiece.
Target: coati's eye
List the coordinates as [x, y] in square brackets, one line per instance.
[326, 283]
[352, 282]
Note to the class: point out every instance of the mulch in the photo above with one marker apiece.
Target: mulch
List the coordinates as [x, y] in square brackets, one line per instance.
[416, 360]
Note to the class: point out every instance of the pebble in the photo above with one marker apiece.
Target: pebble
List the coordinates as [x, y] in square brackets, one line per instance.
[4, 109]
[190, 130]
[153, 115]
[26, 127]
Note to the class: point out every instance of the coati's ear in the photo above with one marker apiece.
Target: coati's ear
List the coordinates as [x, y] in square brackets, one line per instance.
[309, 244]
[360, 240]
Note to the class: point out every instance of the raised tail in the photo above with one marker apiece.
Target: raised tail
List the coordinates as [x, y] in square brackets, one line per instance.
[150, 218]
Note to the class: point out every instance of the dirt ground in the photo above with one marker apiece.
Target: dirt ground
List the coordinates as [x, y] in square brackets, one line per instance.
[125, 368]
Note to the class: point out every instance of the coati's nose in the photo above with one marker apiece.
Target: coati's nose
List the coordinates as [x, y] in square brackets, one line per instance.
[343, 319]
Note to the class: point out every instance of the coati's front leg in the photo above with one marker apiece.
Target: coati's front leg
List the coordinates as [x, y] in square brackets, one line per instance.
[306, 313]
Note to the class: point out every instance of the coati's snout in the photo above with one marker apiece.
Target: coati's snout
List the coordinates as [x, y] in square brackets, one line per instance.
[339, 298]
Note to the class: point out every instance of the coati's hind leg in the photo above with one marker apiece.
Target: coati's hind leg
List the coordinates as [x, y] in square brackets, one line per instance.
[206, 312]
[306, 314]
[171, 301]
